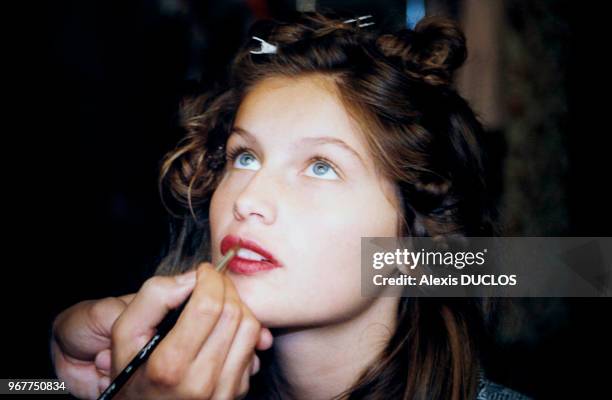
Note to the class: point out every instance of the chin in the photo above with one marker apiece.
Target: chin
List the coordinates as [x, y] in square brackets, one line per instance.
[261, 304]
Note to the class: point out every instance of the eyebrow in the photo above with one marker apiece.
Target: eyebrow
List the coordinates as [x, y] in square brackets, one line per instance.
[314, 140]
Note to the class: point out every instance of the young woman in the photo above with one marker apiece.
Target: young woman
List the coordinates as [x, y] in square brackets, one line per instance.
[327, 131]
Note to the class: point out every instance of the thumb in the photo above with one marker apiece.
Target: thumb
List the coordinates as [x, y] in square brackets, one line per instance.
[157, 296]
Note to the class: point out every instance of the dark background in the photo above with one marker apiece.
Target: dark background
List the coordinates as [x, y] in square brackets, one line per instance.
[92, 90]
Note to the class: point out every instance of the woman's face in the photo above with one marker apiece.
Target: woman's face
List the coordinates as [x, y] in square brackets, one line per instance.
[305, 189]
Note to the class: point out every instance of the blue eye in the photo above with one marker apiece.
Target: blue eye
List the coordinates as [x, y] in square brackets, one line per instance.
[245, 159]
[322, 169]
[242, 159]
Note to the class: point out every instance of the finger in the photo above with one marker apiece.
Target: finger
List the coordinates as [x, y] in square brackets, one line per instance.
[265, 339]
[180, 347]
[80, 379]
[103, 362]
[255, 366]
[253, 369]
[243, 386]
[210, 362]
[103, 384]
[138, 322]
[240, 353]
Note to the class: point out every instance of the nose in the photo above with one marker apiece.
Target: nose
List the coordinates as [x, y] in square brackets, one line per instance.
[256, 199]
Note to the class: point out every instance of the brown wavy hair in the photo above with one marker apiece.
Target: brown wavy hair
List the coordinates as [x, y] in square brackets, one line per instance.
[423, 136]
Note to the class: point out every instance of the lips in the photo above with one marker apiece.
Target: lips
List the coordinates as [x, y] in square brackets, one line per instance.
[241, 265]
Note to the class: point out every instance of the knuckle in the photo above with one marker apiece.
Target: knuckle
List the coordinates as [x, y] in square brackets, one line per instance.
[161, 372]
[154, 284]
[101, 309]
[209, 308]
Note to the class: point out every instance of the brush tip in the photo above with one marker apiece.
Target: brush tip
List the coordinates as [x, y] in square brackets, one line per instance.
[227, 257]
[232, 251]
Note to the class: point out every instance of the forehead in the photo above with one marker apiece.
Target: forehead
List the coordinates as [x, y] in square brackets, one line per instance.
[293, 108]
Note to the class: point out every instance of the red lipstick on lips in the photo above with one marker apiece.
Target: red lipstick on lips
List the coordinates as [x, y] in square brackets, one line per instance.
[239, 265]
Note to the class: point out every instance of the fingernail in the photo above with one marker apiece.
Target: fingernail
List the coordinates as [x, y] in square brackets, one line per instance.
[267, 335]
[187, 278]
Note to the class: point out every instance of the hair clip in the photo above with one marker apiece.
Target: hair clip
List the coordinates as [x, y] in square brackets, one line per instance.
[348, 21]
[266, 48]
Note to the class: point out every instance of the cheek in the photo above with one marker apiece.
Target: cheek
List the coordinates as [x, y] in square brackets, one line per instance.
[337, 226]
[323, 285]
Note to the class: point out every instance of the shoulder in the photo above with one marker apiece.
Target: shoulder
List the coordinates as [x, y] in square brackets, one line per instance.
[488, 390]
